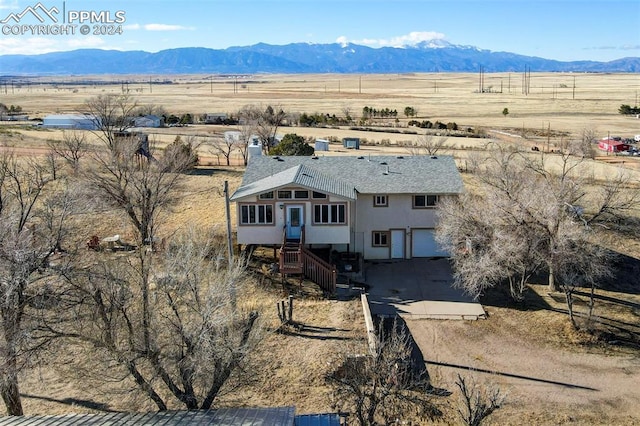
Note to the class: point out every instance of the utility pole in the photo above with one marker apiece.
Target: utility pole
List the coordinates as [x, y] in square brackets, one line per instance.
[228, 212]
[232, 290]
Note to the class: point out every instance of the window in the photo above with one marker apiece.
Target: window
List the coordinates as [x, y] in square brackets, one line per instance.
[332, 214]
[424, 201]
[319, 195]
[286, 194]
[256, 214]
[380, 239]
[267, 196]
[300, 195]
[380, 201]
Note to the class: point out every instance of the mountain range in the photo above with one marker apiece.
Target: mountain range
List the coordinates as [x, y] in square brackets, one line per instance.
[298, 58]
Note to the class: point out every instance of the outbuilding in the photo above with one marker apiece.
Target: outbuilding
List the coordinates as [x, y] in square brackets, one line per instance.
[148, 121]
[70, 121]
[351, 143]
[612, 145]
[322, 145]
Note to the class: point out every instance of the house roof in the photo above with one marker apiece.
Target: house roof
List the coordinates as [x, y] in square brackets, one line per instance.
[223, 416]
[300, 174]
[347, 175]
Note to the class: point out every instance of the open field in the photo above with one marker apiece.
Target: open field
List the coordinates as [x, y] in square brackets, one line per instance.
[560, 101]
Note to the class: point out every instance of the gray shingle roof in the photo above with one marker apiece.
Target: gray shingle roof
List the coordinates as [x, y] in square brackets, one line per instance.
[418, 174]
[300, 174]
[277, 416]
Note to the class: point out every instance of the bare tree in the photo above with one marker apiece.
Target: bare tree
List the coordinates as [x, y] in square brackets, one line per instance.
[151, 109]
[528, 215]
[224, 146]
[111, 115]
[168, 322]
[31, 229]
[72, 148]
[584, 145]
[385, 386]
[428, 144]
[477, 402]
[247, 128]
[130, 175]
[265, 122]
[346, 113]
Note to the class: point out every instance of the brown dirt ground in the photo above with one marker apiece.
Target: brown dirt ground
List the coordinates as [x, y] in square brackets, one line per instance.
[549, 373]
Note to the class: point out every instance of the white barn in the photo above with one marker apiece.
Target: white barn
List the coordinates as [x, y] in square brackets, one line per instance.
[70, 121]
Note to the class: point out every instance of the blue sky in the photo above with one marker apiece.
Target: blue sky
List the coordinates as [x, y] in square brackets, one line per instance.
[568, 30]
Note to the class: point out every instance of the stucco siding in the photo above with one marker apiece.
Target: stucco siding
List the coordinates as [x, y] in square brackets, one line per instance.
[273, 233]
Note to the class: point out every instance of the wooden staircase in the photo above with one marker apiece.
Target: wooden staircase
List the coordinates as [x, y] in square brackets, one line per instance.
[295, 259]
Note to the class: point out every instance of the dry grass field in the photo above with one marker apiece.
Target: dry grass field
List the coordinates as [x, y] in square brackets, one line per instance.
[510, 341]
[560, 101]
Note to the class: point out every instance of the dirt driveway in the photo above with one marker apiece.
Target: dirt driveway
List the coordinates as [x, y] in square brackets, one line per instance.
[544, 384]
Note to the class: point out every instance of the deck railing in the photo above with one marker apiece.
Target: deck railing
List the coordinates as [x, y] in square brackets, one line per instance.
[295, 259]
[290, 260]
[320, 272]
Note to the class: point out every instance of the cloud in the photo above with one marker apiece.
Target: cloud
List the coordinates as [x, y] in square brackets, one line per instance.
[27, 46]
[131, 27]
[12, 5]
[411, 39]
[166, 27]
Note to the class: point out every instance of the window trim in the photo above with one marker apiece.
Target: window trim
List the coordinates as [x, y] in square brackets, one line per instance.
[319, 195]
[384, 197]
[385, 234]
[295, 194]
[284, 191]
[329, 213]
[426, 201]
[270, 195]
[256, 214]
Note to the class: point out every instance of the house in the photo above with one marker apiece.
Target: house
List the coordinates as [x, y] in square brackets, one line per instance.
[215, 118]
[378, 207]
[70, 121]
[147, 121]
[612, 145]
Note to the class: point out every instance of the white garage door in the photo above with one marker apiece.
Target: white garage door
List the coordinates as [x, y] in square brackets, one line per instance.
[423, 244]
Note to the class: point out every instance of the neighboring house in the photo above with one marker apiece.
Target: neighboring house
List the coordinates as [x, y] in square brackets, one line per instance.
[148, 121]
[612, 145]
[70, 121]
[380, 207]
[215, 118]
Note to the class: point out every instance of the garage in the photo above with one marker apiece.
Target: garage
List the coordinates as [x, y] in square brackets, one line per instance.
[423, 244]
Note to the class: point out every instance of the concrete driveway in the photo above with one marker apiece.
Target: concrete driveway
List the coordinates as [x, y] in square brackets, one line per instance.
[417, 288]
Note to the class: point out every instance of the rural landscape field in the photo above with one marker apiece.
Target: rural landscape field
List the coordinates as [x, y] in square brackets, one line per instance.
[548, 372]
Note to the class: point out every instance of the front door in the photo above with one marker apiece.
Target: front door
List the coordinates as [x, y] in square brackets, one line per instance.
[397, 243]
[295, 220]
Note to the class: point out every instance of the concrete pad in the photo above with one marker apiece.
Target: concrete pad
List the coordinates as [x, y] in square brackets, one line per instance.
[418, 288]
